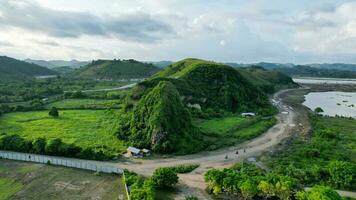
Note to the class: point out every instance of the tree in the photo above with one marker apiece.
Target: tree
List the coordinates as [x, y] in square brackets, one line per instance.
[38, 145]
[248, 189]
[318, 110]
[319, 193]
[164, 177]
[54, 147]
[53, 112]
[342, 173]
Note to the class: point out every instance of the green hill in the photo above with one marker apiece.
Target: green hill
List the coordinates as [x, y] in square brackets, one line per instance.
[267, 80]
[211, 85]
[116, 70]
[161, 121]
[13, 70]
[159, 108]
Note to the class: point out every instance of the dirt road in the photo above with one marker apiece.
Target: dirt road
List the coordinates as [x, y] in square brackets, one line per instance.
[193, 183]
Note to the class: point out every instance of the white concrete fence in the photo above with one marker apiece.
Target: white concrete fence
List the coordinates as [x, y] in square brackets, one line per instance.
[61, 161]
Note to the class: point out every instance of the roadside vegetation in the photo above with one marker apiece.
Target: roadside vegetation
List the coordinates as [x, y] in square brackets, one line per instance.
[327, 158]
[247, 181]
[21, 180]
[159, 186]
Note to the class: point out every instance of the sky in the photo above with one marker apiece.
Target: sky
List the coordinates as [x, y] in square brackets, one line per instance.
[242, 31]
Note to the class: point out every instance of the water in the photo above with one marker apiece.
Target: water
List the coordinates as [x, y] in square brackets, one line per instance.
[324, 81]
[333, 103]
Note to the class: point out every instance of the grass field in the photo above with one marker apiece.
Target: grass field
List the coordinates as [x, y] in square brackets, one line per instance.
[84, 103]
[232, 130]
[20, 180]
[85, 128]
[221, 125]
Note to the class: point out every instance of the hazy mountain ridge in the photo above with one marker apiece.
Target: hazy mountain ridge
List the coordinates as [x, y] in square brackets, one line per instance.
[13, 70]
[116, 70]
[58, 63]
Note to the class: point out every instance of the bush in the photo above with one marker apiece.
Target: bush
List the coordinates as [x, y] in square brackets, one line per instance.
[183, 169]
[38, 146]
[164, 178]
[318, 193]
[53, 112]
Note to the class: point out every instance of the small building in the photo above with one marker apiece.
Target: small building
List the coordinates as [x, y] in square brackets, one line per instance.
[137, 153]
[134, 152]
[248, 114]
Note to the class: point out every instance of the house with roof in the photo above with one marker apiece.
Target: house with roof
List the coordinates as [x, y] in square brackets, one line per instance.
[137, 153]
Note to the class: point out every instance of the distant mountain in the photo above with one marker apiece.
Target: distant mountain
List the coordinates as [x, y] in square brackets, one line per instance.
[58, 63]
[339, 66]
[12, 70]
[161, 64]
[312, 70]
[63, 70]
[116, 70]
[303, 70]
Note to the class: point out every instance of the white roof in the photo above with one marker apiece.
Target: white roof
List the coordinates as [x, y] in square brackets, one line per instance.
[248, 113]
[145, 150]
[133, 150]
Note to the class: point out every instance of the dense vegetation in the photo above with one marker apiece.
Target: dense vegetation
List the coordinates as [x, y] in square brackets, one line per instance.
[116, 70]
[16, 70]
[301, 70]
[29, 90]
[328, 158]
[160, 109]
[160, 121]
[246, 181]
[268, 80]
[146, 188]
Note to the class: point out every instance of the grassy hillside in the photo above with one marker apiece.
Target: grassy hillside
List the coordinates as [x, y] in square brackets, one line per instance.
[160, 121]
[116, 70]
[159, 108]
[268, 80]
[211, 85]
[12, 69]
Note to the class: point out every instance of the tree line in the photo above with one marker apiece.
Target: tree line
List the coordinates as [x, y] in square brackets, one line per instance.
[54, 147]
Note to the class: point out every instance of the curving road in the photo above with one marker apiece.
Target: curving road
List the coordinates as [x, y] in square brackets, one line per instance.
[193, 183]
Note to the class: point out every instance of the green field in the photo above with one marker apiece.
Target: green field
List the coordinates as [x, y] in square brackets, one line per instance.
[221, 125]
[20, 180]
[84, 103]
[85, 128]
[232, 130]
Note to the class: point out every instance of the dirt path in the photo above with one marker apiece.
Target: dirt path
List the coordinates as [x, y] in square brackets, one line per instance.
[193, 183]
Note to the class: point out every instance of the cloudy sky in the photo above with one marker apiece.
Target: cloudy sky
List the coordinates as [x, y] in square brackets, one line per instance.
[298, 31]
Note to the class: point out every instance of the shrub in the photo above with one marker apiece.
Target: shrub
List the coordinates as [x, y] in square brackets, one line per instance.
[164, 178]
[318, 193]
[182, 169]
[53, 112]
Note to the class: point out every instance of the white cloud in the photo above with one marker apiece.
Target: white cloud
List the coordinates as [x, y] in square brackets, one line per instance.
[241, 31]
[326, 32]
